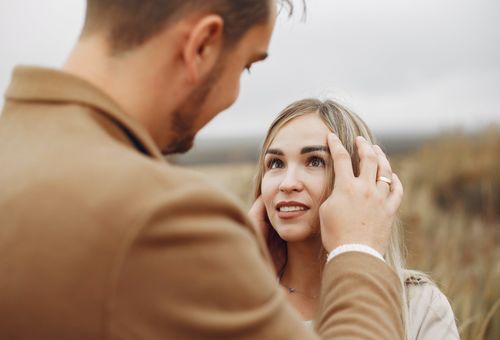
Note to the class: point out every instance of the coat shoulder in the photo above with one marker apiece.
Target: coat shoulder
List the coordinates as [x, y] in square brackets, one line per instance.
[430, 315]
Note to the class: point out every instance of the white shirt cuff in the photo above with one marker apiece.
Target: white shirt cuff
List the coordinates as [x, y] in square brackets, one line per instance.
[354, 247]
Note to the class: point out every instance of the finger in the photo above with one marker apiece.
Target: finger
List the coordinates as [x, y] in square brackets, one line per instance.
[396, 196]
[384, 170]
[367, 160]
[384, 187]
[342, 165]
[258, 215]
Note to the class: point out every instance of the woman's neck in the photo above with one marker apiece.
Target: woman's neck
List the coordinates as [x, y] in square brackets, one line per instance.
[302, 272]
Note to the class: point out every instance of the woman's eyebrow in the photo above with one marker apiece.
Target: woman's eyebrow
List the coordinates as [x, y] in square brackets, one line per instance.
[275, 152]
[314, 148]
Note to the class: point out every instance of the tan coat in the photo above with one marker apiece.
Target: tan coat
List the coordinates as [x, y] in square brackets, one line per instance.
[430, 316]
[100, 238]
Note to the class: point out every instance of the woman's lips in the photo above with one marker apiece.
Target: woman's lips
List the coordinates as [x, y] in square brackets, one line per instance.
[290, 209]
[290, 214]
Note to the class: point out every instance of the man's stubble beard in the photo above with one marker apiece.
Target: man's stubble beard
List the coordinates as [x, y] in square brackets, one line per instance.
[183, 133]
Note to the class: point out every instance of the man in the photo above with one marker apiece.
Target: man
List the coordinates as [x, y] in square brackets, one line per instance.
[100, 238]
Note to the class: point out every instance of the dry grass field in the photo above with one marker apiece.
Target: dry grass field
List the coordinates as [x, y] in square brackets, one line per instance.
[450, 215]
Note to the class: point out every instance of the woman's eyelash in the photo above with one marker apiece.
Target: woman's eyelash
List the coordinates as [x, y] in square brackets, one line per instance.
[317, 160]
[274, 163]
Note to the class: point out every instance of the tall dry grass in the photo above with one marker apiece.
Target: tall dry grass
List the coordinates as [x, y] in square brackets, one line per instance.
[451, 216]
[451, 220]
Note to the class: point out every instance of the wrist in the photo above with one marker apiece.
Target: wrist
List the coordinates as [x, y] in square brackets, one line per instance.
[354, 247]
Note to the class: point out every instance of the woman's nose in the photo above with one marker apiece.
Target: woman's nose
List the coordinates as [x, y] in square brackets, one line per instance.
[291, 182]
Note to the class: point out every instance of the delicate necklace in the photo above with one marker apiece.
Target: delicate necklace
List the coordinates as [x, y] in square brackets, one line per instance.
[292, 290]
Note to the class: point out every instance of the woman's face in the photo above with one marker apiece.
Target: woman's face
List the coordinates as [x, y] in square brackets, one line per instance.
[295, 178]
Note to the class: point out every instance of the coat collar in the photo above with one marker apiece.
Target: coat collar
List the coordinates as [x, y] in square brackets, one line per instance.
[49, 85]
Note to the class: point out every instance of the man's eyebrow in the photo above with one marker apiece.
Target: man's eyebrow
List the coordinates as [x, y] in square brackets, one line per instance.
[277, 152]
[314, 148]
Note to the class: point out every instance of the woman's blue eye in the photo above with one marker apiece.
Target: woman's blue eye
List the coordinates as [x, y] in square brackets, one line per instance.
[316, 162]
[274, 163]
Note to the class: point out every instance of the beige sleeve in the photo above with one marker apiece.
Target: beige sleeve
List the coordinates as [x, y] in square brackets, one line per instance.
[360, 299]
[196, 271]
[430, 314]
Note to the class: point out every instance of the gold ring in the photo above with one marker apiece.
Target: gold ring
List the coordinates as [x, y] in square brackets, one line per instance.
[384, 179]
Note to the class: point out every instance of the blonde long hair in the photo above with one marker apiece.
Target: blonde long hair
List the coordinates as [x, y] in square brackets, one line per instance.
[347, 126]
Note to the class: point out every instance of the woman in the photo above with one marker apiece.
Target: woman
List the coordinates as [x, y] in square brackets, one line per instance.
[295, 176]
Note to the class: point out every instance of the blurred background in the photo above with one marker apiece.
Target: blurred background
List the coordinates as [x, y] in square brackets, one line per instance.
[424, 75]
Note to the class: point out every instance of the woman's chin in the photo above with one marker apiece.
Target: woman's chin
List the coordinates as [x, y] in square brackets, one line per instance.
[294, 233]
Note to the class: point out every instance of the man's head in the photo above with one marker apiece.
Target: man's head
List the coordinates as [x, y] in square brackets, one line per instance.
[132, 22]
[179, 61]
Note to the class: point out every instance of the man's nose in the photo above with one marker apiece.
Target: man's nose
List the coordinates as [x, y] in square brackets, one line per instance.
[291, 181]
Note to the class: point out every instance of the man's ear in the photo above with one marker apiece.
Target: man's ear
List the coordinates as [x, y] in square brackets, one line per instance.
[203, 47]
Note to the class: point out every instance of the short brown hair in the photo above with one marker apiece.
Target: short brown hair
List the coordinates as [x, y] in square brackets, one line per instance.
[130, 23]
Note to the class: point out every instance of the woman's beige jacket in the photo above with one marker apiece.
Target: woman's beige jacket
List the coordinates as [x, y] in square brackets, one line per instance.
[430, 315]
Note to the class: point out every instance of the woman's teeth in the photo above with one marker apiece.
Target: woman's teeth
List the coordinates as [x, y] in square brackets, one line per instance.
[288, 209]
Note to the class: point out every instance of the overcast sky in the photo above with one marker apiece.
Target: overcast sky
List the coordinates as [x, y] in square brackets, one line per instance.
[404, 66]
